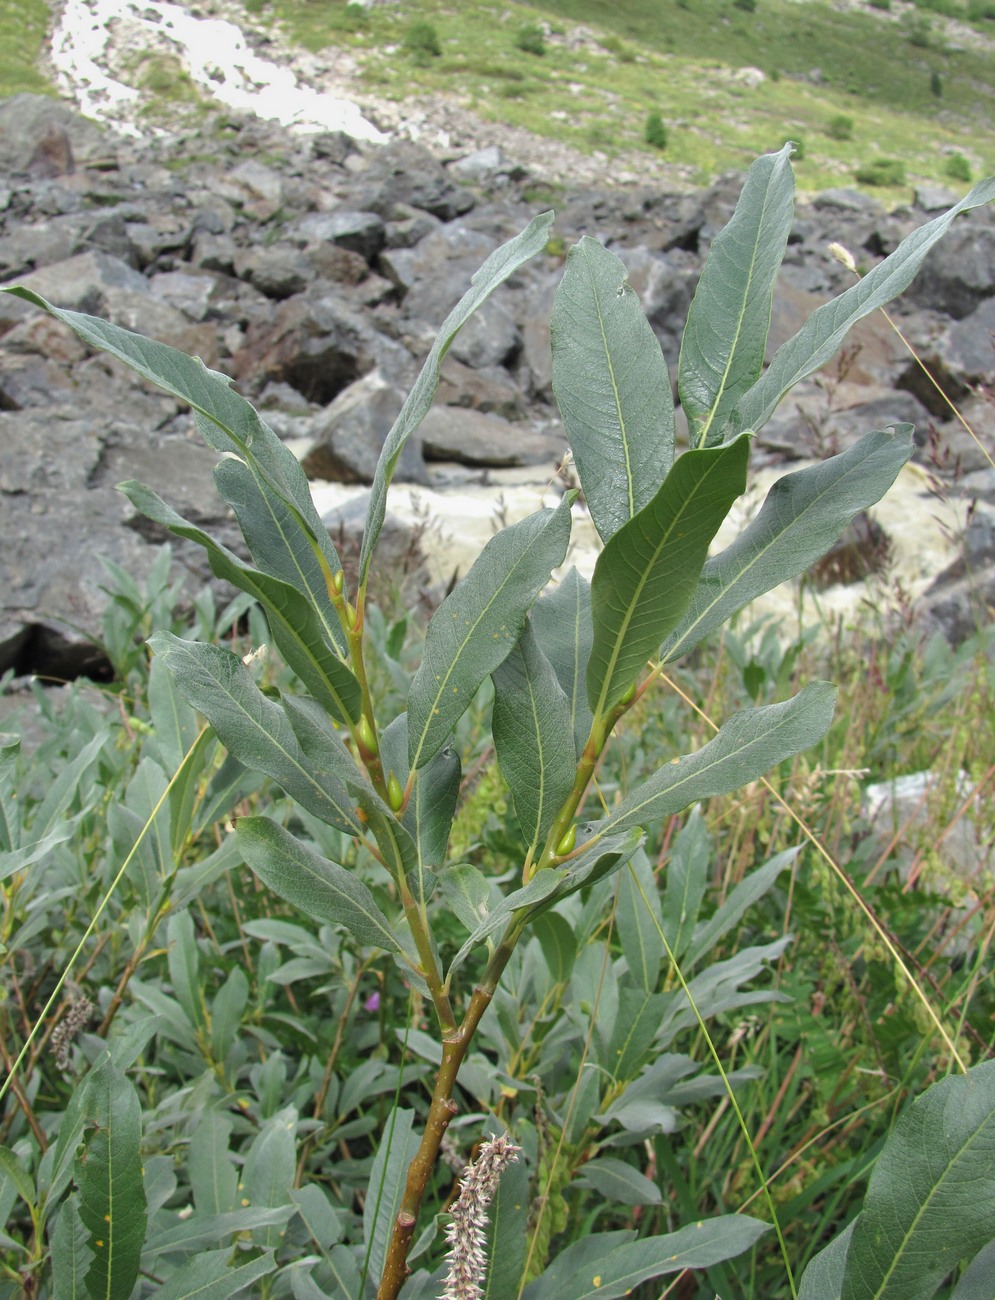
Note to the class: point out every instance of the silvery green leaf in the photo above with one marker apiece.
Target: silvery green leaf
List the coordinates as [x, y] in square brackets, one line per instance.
[503, 262]
[647, 573]
[803, 515]
[478, 624]
[821, 335]
[612, 387]
[318, 887]
[725, 337]
[531, 717]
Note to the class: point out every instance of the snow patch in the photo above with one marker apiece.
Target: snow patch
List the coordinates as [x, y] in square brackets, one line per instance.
[213, 51]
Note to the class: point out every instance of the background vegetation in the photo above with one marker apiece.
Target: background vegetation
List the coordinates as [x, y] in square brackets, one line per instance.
[914, 88]
[254, 1009]
[679, 57]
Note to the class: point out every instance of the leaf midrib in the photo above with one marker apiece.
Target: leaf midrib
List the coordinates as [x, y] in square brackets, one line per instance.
[257, 725]
[640, 587]
[329, 632]
[742, 313]
[611, 374]
[444, 681]
[612, 823]
[973, 1136]
[779, 536]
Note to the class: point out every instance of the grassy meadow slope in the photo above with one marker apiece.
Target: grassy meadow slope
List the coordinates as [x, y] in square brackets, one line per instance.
[22, 36]
[830, 73]
[852, 83]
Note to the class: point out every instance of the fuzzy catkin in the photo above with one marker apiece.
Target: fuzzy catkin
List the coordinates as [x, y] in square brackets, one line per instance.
[467, 1258]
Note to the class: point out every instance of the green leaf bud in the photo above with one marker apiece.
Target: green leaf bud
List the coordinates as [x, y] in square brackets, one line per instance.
[395, 795]
[567, 844]
[367, 736]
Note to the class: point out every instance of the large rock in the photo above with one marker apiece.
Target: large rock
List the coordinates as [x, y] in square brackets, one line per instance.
[102, 285]
[60, 513]
[960, 450]
[959, 272]
[432, 276]
[486, 167]
[665, 283]
[45, 137]
[26, 248]
[279, 270]
[489, 338]
[403, 173]
[818, 420]
[959, 359]
[348, 437]
[359, 232]
[487, 388]
[453, 433]
[316, 344]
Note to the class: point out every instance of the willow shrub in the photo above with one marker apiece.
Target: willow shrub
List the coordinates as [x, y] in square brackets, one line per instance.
[567, 662]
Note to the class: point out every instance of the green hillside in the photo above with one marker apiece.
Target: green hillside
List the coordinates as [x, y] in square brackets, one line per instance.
[883, 80]
[852, 86]
[23, 25]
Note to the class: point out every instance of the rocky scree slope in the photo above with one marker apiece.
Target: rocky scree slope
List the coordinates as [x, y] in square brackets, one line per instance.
[315, 272]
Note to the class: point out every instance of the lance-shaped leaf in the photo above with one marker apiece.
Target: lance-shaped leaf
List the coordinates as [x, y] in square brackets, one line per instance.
[611, 385]
[322, 889]
[71, 1256]
[211, 1276]
[108, 1170]
[742, 897]
[724, 340]
[750, 744]
[687, 880]
[227, 421]
[276, 540]
[647, 573]
[507, 1233]
[428, 818]
[504, 261]
[256, 730]
[821, 335]
[617, 1271]
[469, 893]
[823, 1279]
[475, 627]
[531, 724]
[386, 1188]
[10, 807]
[325, 754]
[295, 625]
[639, 921]
[802, 516]
[530, 897]
[561, 620]
[931, 1199]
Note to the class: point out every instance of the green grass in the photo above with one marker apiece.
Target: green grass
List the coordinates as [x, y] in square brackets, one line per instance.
[669, 56]
[676, 57]
[23, 24]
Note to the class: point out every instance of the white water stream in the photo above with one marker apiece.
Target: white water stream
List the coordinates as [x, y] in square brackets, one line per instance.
[213, 51]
